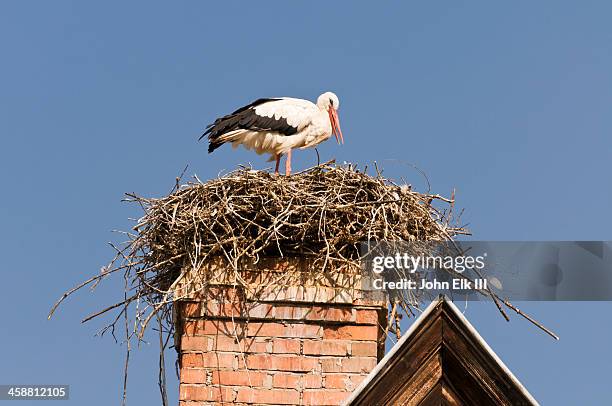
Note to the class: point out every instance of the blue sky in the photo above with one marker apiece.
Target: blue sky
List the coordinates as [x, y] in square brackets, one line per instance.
[509, 103]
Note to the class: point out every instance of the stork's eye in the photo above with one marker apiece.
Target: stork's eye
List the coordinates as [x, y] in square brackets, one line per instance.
[331, 102]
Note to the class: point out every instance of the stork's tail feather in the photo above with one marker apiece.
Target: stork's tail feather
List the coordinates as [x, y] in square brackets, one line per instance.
[216, 140]
[213, 145]
[213, 142]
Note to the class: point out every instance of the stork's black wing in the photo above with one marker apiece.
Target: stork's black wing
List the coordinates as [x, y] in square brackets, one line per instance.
[245, 118]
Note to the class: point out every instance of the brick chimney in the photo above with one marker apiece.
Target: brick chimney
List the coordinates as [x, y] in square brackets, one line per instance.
[288, 336]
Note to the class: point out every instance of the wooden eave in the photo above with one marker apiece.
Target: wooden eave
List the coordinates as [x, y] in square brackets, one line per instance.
[441, 360]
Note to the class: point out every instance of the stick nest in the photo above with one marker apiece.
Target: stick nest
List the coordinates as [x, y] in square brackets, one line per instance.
[323, 213]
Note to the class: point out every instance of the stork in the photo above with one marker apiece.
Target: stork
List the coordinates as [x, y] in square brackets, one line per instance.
[278, 125]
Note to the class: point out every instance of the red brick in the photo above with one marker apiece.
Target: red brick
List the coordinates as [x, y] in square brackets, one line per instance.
[326, 347]
[285, 346]
[238, 378]
[261, 362]
[225, 310]
[337, 381]
[188, 403]
[191, 343]
[324, 397]
[366, 316]
[319, 294]
[364, 349]
[346, 382]
[266, 396]
[191, 328]
[192, 360]
[260, 310]
[285, 381]
[191, 309]
[265, 329]
[220, 294]
[330, 314]
[284, 330]
[193, 375]
[225, 343]
[351, 332]
[314, 313]
[209, 394]
[222, 342]
[212, 327]
[228, 310]
[295, 364]
[354, 364]
[281, 363]
[257, 345]
[331, 365]
[290, 312]
[358, 364]
[213, 308]
[313, 381]
[219, 360]
[208, 360]
[357, 379]
[365, 364]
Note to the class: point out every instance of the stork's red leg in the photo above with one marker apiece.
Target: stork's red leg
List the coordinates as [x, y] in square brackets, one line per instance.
[288, 164]
[278, 157]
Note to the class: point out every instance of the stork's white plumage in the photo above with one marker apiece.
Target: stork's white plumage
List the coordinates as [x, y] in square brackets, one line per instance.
[277, 126]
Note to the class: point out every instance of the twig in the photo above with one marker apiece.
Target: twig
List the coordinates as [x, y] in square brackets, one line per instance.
[127, 348]
[529, 318]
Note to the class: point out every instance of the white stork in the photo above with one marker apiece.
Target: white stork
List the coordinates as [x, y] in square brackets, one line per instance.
[278, 125]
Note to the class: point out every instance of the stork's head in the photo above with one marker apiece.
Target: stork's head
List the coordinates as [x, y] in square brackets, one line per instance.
[330, 103]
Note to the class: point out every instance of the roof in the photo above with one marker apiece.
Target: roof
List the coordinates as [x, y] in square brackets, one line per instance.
[441, 359]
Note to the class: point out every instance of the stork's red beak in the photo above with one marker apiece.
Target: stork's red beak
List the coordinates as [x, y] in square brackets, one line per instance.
[333, 118]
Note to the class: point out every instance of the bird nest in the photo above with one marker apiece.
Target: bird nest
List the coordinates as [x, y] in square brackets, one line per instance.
[324, 213]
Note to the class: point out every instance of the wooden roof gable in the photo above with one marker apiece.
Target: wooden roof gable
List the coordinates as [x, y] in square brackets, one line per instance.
[441, 360]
